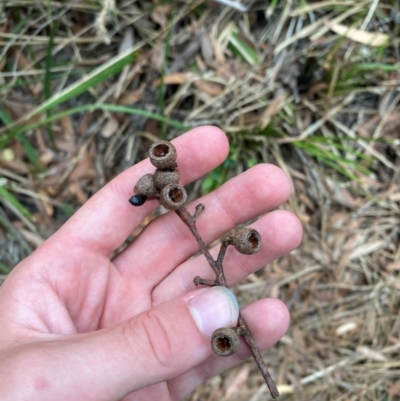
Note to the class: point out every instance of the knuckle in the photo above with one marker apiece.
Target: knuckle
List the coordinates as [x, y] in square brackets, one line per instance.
[157, 339]
[226, 207]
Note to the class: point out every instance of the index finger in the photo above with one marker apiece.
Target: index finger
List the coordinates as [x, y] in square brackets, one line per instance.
[104, 222]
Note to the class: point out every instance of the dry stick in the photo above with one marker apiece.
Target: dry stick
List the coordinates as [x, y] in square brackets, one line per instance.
[190, 222]
[248, 338]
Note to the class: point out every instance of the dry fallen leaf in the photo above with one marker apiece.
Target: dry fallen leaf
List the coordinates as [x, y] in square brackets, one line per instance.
[210, 88]
[273, 108]
[68, 127]
[346, 328]
[237, 381]
[207, 50]
[367, 38]
[127, 40]
[47, 206]
[393, 266]
[298, 337]
[76, 190]
[46, 157]
[33, 238]
[83, 169]
[129, 98]
[160, 15]
[19, 108]
[394, 389]
[109, 128]
[285, 389]
[366, 249]
[16, 165]
[371, 354]
[177, 78]
[342, 195]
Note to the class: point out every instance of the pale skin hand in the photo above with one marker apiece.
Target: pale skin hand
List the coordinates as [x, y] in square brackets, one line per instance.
[77, 326]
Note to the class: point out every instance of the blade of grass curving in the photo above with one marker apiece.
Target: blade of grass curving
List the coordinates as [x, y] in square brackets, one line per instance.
[7, 225]
[48, 67]
[5, 194]
[29, 150]
[49, 58]
[4, 269]
[4, 117]
[329, 159]
[161, 88]
[90, 108]
[336, 143]
[95, 77]
[244, 49]
[378, 66]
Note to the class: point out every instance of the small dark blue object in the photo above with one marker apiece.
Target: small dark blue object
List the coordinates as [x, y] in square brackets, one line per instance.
[138, 200]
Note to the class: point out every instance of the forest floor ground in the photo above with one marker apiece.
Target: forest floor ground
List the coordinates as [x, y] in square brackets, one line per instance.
[311, 86]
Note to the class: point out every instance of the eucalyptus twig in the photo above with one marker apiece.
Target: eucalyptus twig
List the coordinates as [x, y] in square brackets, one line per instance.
[190, 222]
[220, 280]
[164, 186]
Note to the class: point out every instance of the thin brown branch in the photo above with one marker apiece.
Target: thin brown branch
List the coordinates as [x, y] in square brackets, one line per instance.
[243, 329]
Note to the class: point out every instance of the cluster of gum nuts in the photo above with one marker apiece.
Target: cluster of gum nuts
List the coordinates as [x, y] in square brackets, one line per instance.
[164, 186]
[164, 183]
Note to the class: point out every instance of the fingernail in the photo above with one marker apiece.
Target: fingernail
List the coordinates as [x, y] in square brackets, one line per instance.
[214, 308]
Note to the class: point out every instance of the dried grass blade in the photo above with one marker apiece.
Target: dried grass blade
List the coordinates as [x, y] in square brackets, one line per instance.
[374, 39]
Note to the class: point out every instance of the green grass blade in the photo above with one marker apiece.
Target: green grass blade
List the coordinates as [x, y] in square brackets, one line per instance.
[90, 108]
[161, 88]
[4, 117]
[378, 66]
[87, 82]
[29, 150]
[329, 159]
[48, 64]
[243, 48]
[90, 80]
[126, 110]
[95, 77]
[4, 269]
[48, 67]
[4, 193]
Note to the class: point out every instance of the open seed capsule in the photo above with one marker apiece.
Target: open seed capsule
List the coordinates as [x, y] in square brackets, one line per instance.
[163, 155]
[225, 342]
[173, 196]
[246, 240]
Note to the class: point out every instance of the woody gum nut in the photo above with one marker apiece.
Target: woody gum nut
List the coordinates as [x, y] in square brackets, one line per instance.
[164, 177]
[246, 240]
[225, 342]
[147, 186]
[173, 196]
[227, 238]
[163, 155]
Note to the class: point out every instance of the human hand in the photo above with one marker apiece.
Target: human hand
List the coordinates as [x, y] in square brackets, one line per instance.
[77, 326]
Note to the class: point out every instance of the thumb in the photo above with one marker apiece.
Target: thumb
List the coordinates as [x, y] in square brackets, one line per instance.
[154, 346]
[170, 339]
